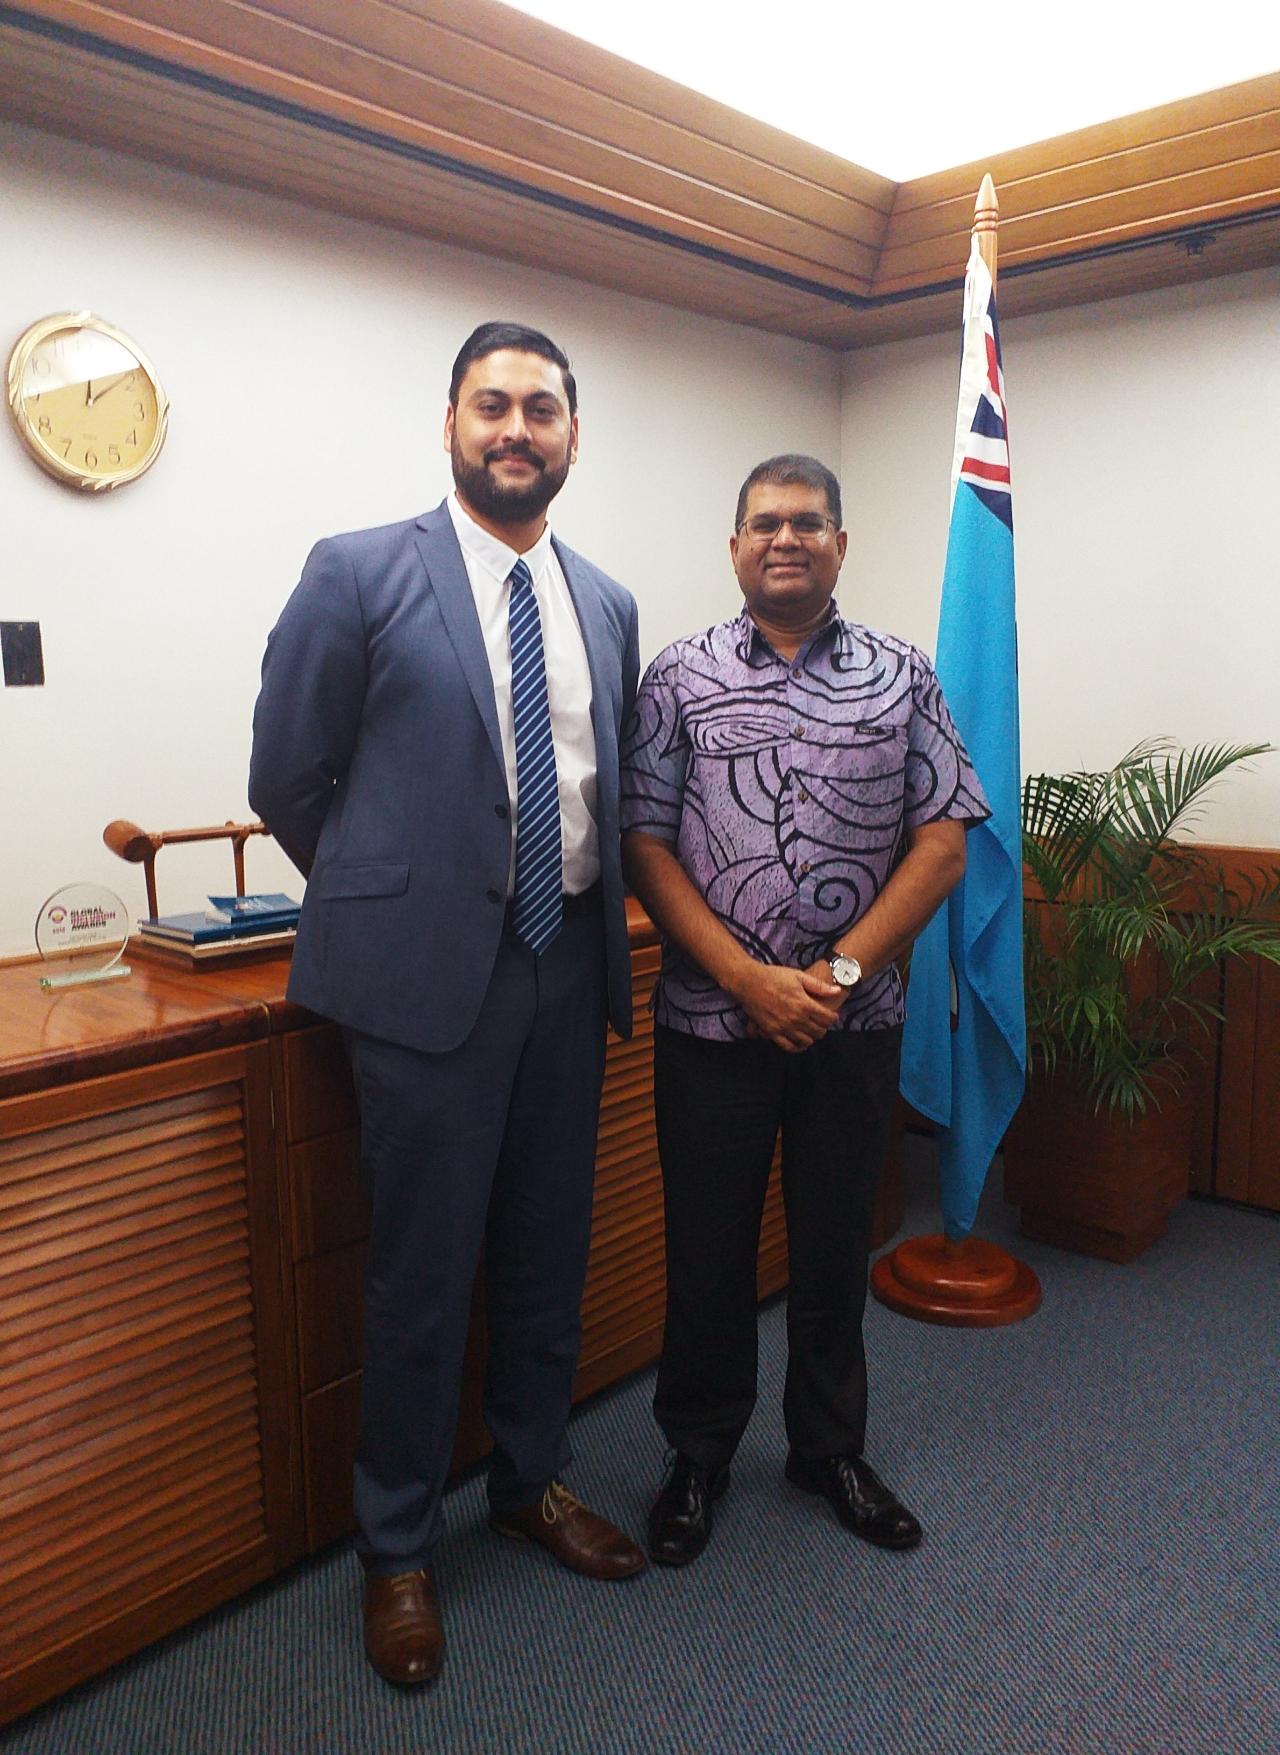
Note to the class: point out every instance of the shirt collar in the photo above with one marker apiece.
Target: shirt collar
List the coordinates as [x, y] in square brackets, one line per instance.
[751, 641]
[491, 554]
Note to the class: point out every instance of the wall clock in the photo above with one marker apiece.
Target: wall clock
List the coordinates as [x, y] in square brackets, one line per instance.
[86, 401]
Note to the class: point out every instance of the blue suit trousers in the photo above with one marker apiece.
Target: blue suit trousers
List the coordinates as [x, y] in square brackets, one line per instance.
[489, 1147]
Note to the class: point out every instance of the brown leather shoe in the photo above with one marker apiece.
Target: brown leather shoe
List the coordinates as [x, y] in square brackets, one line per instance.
[402, 1633]
[575, 1536]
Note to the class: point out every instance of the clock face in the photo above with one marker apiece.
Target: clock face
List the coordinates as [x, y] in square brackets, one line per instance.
[86, 402]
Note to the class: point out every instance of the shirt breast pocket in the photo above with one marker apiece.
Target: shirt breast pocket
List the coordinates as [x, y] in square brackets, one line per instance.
[856, 777]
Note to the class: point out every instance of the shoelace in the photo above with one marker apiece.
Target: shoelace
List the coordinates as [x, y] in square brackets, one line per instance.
[556, 1498]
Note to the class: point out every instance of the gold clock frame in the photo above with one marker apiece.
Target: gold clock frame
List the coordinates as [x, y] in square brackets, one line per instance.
[60, 469]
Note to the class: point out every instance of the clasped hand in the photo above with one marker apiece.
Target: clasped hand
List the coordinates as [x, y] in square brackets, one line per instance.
[793, 1008]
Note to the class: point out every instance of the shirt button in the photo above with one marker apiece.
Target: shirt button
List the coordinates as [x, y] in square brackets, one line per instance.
[799, 731]
[804, 796]
[804, 869]
[500, 810]
[797, 673]
[494, 895]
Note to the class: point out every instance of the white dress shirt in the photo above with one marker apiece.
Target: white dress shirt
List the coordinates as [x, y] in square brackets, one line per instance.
[489, 562]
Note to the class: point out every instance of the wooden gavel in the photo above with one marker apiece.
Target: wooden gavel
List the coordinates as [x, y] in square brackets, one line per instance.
[140, 847]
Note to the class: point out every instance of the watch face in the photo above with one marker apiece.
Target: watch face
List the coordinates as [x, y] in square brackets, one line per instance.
[85, 401]
[847, 971]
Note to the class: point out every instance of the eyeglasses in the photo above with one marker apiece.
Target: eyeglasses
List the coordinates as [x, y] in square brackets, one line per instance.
[806, 527]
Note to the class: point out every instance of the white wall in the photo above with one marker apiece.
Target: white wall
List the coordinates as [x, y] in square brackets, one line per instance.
[306, 357]
[1145, 436]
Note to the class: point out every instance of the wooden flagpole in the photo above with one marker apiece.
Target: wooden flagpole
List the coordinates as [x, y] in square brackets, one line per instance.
[976, 1283]
[986, 225]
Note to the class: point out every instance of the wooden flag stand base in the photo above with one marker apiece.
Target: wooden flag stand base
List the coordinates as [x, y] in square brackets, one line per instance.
[974, 1284]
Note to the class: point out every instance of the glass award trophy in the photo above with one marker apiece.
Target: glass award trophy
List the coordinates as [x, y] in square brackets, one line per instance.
[81, 933]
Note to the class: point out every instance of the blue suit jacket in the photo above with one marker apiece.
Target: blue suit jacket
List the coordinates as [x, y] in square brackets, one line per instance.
[377, 765]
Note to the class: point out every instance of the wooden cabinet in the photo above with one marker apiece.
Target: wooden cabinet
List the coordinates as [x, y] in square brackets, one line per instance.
[182, 1232]
[1248, 1155]
[145, 1408]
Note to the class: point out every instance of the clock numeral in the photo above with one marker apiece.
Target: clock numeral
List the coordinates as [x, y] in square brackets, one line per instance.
[91, 459]
[131, 437]
[45, 424]
[66, 447]
[140, 410]
[113, 453]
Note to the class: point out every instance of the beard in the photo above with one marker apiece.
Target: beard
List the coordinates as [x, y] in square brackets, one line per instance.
[507, 505]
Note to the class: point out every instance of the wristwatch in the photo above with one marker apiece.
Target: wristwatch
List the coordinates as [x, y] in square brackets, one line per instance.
[846, 972]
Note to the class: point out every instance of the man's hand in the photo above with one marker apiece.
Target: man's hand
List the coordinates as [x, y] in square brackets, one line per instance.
[793, 1008]
[821, 971]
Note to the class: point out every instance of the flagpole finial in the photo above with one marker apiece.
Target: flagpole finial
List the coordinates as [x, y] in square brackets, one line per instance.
[986, 223]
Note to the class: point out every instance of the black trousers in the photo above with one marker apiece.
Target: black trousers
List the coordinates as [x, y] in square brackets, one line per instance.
[490, 1146]
[719, 1107]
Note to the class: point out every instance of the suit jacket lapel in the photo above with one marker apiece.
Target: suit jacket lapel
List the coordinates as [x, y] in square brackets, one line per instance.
[447, 571]
[586, 604]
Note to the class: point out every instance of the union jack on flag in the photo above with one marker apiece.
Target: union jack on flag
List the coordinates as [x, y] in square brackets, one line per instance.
[982, 431]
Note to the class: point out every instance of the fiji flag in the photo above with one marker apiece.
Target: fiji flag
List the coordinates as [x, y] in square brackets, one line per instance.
[964, 1051]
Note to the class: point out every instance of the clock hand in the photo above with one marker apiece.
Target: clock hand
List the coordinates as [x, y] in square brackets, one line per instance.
[88, 393]
[118, 379]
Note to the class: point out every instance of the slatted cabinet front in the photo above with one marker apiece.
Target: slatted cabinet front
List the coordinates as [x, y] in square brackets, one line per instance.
[144, 1425]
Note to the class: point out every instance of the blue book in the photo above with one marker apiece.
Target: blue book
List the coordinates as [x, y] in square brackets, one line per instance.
[203, 929]
[259, 907]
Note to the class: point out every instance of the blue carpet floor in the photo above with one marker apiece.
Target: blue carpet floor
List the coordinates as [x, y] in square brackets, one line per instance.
[1100, 1574]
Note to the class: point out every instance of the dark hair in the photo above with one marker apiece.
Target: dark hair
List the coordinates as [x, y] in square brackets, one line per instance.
[782, 471]
[493, 337]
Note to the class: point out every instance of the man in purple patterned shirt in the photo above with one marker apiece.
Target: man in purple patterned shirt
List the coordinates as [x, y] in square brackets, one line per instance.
[794, 805]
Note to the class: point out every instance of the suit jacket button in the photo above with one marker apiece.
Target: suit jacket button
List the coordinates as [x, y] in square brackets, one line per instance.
[495, 895]
[500, 810]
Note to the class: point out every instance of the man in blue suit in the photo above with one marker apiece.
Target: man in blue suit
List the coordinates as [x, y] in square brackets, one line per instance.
[436, 749]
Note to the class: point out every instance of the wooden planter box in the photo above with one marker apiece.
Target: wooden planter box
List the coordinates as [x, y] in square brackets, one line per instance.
[1092, 1183]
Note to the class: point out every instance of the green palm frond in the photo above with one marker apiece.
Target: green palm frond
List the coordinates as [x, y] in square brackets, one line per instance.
[1118, 961]
[1165, 792]
[1064, 819]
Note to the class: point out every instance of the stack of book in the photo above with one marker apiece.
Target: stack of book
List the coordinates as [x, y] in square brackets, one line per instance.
[231, 926]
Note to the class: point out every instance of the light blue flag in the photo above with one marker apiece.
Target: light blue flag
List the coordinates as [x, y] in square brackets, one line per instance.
[964, 1049]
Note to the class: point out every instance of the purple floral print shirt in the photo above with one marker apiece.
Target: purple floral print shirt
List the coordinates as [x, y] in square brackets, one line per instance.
[786, 791]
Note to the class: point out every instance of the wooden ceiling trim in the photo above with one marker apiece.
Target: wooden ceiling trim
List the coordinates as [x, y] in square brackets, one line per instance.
[1058, 285]
[1240, 142]
[1076, 210]
[243, 48]
[401, 100]
[347, 176]
[485, 22]
[1176, 205]
[1230, 251]
[1162, 170]
[1154, 127]
[446, 55]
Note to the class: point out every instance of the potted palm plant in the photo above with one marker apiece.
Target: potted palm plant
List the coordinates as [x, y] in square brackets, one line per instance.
[1127, 929]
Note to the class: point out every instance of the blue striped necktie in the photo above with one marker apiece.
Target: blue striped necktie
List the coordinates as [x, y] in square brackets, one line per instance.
[537, 910]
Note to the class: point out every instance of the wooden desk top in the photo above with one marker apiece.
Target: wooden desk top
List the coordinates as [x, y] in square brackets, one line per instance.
[162, 1011]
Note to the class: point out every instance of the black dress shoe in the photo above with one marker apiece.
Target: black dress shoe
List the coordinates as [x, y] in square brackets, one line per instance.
[858, 1497]
[680, 1522]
